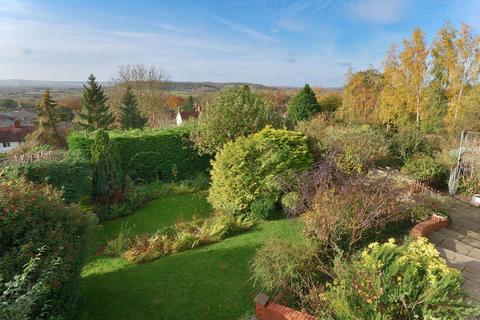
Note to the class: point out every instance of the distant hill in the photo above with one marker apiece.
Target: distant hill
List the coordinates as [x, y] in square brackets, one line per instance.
[40, 84]
[171, 86]
[32, 90]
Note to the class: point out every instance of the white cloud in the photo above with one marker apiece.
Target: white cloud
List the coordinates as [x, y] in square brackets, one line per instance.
[245, 30]
[378, 11]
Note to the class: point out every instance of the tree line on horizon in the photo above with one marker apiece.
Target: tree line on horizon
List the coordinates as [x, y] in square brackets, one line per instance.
[433, 87]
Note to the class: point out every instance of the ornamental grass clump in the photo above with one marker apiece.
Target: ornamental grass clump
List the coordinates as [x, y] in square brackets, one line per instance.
[185, 236]
[390, 281]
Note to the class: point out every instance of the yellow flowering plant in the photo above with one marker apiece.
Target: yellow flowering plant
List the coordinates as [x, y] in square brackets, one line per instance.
[390, 281]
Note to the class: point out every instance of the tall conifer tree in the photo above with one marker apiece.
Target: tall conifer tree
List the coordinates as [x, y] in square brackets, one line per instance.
[130, 116]
[47, 120]
[107, 175]
[95, 114]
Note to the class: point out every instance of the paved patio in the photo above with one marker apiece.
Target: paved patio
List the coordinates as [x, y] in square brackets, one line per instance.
[459, 244]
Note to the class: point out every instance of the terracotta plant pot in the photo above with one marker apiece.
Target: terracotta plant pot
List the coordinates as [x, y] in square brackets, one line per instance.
[439, 217]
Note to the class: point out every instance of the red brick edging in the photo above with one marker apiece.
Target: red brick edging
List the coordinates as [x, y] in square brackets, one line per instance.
[424, 228]
[267, 310]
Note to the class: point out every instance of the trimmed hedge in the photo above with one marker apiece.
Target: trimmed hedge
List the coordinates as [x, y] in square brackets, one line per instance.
[70, 173]
[151, 154]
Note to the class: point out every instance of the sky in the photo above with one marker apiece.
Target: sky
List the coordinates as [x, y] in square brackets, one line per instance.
[281, 43]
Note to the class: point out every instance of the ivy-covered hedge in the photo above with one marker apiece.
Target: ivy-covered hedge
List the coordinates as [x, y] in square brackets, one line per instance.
[151, 154]
[68, 172]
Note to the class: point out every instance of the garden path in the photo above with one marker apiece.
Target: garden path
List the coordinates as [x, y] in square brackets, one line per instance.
[459, 244]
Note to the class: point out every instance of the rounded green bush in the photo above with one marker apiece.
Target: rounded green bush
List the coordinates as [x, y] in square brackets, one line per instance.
[424, 167]
[263, 208]
[255, 167]
[290, 201]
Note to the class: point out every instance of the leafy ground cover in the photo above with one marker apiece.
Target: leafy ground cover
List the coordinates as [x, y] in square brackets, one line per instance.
[212, 282]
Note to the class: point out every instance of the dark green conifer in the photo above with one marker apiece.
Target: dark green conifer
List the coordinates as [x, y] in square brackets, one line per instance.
[95, 114]
[303, 105]
[107, 175]
[189, 104]
[130, 116]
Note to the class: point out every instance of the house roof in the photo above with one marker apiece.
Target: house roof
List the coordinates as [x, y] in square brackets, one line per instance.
[6, 116]
[15, 134]
[189, 114]
[20, 115]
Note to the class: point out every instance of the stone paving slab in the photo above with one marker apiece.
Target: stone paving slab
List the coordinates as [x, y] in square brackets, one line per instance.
[456, 246]
[472, 289]
[459, 244]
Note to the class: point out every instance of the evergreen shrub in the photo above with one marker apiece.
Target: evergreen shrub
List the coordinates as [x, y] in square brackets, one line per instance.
[254, 168]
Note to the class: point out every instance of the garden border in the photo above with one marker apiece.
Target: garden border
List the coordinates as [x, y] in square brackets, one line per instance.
[423, 229]
[268, 310]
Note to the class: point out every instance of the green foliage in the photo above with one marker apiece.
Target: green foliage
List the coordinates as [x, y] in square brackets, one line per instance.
[189, 104]
[130, 116]
[47, 132]
[65, 114]
[361, 147]
[424, 167]
[408, 143]
[150, 155]
[330, 101]
[387, 281]
[8, 104]
[303, 106]
[253, 168]
[290, 201]
[68, 172]
[283, 267]
[236, 112]
[95, 114]
[34, 216]
[469, 185]
[23, 295]
[315, 129]
[184, 236]
[107, 177]
[424, 206]
[263, 208]
[121, 243]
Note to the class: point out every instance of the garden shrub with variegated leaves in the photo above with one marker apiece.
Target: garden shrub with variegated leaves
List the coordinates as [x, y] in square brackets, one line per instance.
[390, 281]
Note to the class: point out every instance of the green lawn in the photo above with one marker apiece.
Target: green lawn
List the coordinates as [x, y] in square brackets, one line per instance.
[211, 282]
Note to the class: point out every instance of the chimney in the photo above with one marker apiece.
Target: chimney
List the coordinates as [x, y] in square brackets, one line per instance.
[17, 123]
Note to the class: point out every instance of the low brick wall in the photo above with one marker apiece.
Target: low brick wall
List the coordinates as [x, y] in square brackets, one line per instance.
[267, 310]
[423, 229]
